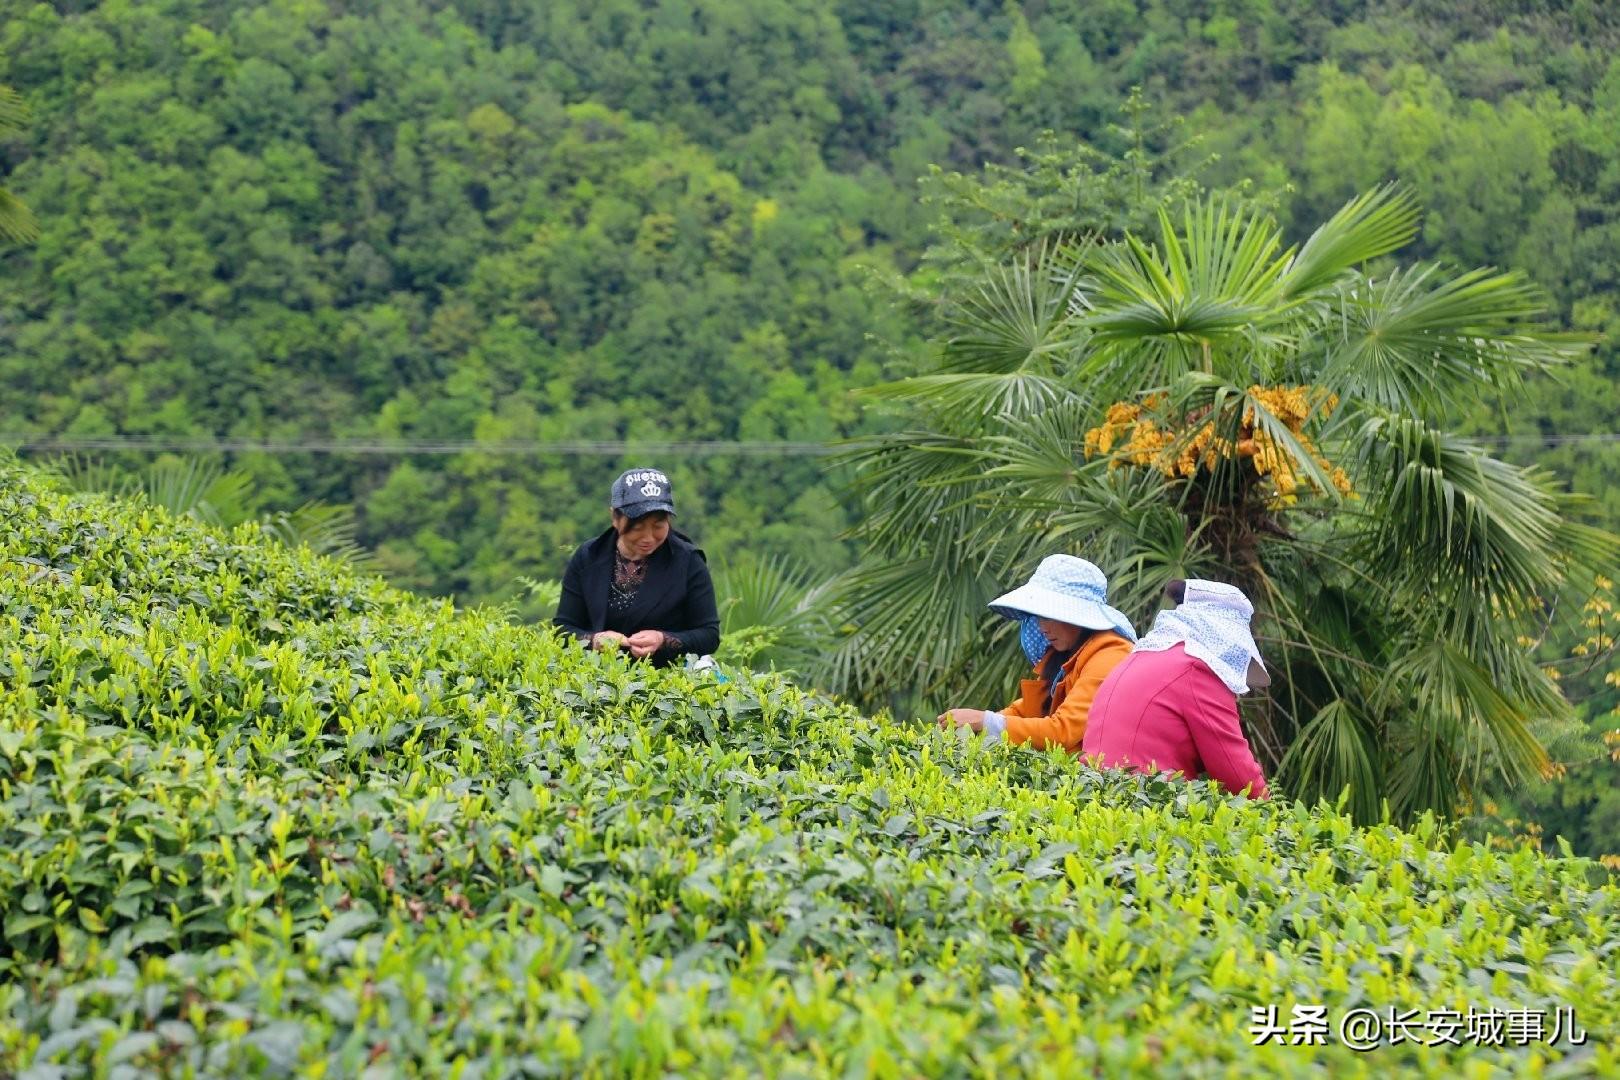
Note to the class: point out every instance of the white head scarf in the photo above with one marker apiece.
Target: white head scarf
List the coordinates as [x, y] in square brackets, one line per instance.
[1211, 624]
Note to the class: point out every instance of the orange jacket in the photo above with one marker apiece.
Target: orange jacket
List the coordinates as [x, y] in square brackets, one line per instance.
[1065, 724]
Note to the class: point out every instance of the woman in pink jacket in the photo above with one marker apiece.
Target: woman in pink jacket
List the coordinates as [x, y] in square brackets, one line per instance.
[1171, 706]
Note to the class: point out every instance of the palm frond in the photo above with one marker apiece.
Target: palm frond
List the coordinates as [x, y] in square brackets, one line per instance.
[1012, 395]
[230, 497]
[1206, 298]
[1223, 255]
[1150, 546]
[88, 475]
[1372, 224]
[181, 485]
[910, 622]
[1334, 751]
[1423, 774]
[1229, 250]
[17, 223]
[1040, 459]
[1139, 298]
[1442, 688]
[323, 528]
[185, 487]
[920, 482]
[14, 112]
[1417, 338]
[756, 591]
[780, 600]
[1483, 538]
[1019, 319]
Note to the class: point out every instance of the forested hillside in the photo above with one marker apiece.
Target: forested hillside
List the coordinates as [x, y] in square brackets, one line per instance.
[603, 221]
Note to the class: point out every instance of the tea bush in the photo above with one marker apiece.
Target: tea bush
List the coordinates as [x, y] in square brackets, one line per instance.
[261, 816]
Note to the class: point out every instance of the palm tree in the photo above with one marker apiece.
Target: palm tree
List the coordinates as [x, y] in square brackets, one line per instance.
[773, 614]
[17, 224]
[1216, 403]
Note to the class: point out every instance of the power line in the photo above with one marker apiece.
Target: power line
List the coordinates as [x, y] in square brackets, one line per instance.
[1546, 440]
[317, 445]
[530, 447]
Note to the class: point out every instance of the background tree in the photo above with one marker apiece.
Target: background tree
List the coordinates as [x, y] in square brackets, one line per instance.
[1215, 402]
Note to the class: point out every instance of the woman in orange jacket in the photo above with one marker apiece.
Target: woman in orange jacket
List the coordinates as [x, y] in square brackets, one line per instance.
[1073, 638]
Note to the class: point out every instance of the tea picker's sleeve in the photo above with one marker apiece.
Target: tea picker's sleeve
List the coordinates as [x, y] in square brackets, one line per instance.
[573, 616]
[699, 632]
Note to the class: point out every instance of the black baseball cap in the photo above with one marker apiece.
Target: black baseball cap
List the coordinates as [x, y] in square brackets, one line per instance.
[639, 492]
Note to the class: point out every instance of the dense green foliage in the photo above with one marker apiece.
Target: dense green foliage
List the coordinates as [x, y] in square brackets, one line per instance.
[259, 814]
[384, 224]
[610, 219]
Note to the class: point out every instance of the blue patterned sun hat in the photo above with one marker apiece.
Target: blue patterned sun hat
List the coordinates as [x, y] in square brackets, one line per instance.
[1065, 589]
[1210, 624]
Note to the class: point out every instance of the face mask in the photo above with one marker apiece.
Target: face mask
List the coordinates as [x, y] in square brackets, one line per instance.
[1034, 642]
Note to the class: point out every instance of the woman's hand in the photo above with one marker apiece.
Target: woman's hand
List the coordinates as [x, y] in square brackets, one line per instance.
[644, 643]
[968, 718]
[608, 639]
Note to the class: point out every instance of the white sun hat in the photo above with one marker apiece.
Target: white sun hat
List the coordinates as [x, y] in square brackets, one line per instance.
[1069, 590]
[1212, 624]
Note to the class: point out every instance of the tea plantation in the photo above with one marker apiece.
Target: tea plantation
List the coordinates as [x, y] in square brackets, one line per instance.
[259, 816]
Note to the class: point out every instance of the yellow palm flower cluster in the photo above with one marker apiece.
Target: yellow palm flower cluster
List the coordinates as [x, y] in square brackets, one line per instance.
[1601, 623]
[1600, 620]
[1179, 454]
[1141, 438]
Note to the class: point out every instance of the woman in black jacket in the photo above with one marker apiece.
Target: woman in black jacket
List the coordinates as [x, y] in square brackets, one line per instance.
[641, 585]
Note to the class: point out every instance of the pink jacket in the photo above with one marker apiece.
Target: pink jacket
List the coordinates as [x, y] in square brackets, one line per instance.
[1167, 712]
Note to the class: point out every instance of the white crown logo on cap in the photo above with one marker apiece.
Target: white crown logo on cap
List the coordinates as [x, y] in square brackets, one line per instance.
[642, 491]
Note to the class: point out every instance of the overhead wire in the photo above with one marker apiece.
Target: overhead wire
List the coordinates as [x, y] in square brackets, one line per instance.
[406, 447]
[401, 447]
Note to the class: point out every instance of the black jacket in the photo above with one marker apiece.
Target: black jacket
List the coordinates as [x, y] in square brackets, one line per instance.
[676, 596]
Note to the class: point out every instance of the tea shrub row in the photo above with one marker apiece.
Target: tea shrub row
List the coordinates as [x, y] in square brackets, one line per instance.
[261, 817]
